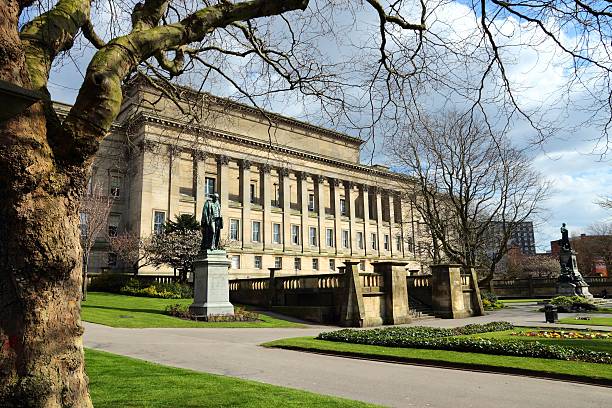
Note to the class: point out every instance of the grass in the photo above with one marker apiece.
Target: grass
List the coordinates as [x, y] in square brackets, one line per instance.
[589, 371]
[117, 381]
[595, 321]
[510, 301]
[140, 312]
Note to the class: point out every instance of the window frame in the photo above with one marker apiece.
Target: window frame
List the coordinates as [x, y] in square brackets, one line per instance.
[312, 238]
[295, 234]
[161, 226]
[346, 239]
[297, 264]
[315, 264]
[258, 259]
[258, 237]
[235, 221]
[234, 263]
[276, 235]
[329, 237]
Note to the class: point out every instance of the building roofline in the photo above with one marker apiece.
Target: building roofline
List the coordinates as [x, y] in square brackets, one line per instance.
[256, 111]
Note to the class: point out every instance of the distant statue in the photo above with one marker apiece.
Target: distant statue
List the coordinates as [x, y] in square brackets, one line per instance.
[565, 243]
[212, 224]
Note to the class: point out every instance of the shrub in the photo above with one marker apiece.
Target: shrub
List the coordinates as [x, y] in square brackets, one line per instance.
[434, 339]
[173, 290]
[569, 304]
[490, 300]
[108, 282]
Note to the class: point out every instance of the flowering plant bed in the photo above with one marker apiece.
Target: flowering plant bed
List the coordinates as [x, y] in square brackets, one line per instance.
[554, 334]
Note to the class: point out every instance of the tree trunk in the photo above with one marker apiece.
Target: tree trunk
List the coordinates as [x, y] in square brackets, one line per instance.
[41, 351]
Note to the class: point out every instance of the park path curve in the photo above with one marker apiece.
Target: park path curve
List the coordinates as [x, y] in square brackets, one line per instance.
[236, 353]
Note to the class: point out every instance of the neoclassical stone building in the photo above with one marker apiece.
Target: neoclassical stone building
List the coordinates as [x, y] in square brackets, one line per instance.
[293, 195]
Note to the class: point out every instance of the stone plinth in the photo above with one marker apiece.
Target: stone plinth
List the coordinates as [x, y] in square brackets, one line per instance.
[211, 285]
[571, 282]
[396, 291]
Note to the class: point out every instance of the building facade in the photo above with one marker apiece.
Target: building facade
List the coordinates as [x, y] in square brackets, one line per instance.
[293, 195]
[522, 236]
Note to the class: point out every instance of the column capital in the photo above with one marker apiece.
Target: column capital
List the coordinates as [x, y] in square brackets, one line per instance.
[283, 171]
[320, 179]
[147, 145]
[174, 150]
[334, 181]
[365, 187]
[350, 184]
[302, 175]
[245, 164]
[199, 155]
[222, 159]
[265, 168]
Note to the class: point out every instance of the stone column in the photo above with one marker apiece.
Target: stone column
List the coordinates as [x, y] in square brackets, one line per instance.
[392, 231]
[319, 186]
[245, 194]
[266, 196]
[223, 190]
[380, 230]
[351, 195]
[174, 172]
[286, 209]
[337, 217]
[303, 189]
[199, 163]
[396, 291]
[366, 220]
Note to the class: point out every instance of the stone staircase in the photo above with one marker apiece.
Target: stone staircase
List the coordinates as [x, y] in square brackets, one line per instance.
[419, 310]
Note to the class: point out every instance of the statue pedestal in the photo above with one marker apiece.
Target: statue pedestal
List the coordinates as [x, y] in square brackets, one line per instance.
[566, 289]
[571, 282]
[211, 285]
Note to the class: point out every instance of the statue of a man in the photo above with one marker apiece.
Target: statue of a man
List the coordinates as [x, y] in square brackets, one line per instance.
[212, 223]
[564, 243]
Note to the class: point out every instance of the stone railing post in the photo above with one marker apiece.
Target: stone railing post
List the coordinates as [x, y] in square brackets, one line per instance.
[396, 291]
[447, 291]
[353, 310]
[272, 287]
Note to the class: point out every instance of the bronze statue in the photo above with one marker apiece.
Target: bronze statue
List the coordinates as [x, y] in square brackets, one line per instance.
[212, 224]
[564, 243]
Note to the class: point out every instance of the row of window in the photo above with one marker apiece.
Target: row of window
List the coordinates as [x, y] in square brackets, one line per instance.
[234, 234]
[297, 263]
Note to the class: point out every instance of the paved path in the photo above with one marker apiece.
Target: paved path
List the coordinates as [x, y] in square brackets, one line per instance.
[235, 352]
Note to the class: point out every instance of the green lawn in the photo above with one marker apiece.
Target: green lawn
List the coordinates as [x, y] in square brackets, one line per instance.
[510, 301]
[594, 371]
[140, 312]
[117, 381]
[595, 321]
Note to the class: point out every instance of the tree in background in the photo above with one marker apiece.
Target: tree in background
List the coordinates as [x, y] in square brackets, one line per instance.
[94, 209]
[593, 247]
[470, 187]
[516, 265]
[132, 250]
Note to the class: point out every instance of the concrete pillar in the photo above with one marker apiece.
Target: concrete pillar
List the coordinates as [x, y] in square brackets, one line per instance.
[199, 164]
[266, 196]
[245, 195]
[380, 230]
[367, 245]
[286, 200]
[303, 194]
[319, 196]
[223, 189]
[337, 217]
[447, 292]
[352, 312]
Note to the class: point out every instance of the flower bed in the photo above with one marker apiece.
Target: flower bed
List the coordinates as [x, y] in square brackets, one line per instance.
[564, 334]
[240, 315]
[442, 339]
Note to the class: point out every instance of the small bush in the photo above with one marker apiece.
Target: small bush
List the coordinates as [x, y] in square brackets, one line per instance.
[135, 287]
[108, 282]
[569, 304]
[490, 300]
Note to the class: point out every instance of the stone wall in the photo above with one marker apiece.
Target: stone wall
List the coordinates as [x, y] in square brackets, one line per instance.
[544, 287]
